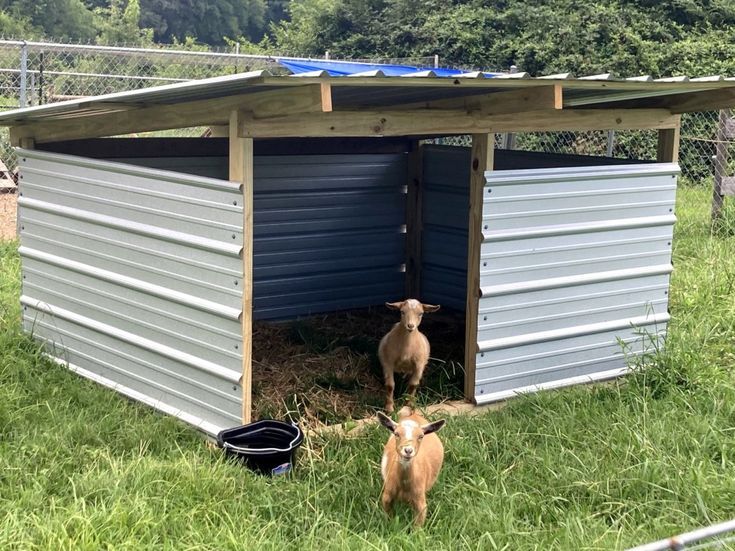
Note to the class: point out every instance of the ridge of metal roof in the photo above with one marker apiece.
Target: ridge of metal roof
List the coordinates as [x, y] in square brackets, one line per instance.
[374, 88]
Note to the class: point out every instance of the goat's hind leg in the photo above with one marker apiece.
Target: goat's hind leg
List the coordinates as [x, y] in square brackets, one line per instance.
[413, 383]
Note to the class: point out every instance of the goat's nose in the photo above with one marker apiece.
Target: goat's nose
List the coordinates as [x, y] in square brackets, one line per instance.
[411, 326]
[408, 451]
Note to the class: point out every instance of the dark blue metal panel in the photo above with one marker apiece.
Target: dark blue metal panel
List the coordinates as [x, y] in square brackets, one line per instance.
[446, 186]
[329, 232]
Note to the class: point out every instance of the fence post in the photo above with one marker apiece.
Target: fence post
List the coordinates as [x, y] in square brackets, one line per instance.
[610, 142]
[720, 166]
[23, 73]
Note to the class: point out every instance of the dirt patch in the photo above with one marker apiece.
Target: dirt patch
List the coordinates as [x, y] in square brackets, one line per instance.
[8, 210]
[324, 369]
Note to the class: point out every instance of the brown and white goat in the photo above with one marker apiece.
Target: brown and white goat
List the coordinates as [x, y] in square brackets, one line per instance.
[405, 349]
[412, 459]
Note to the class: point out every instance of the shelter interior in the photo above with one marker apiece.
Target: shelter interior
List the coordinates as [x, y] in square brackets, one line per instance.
[347, 224]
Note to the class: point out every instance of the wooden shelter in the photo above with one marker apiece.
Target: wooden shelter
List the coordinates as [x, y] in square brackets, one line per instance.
[126, 247]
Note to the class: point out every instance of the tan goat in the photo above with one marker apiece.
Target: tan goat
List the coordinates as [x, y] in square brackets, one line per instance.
[405, 349]
[412, 459]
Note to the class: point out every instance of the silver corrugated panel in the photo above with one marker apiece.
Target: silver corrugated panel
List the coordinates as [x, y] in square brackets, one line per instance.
[329, 232]
[445, 200]
[133, 277]
[574, 269]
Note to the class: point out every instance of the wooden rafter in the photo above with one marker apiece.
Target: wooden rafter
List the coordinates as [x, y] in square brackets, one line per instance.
[510, 101]
[310, 98]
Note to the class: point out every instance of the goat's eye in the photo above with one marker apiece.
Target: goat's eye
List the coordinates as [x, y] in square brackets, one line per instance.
[421, 436]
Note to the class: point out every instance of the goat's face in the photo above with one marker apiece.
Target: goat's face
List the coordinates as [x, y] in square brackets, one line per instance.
[411, 312]
[408, 435]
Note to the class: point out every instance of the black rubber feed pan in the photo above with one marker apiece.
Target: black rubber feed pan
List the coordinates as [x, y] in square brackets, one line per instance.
[267, 446]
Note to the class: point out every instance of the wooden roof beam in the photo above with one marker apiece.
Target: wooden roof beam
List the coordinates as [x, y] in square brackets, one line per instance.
[534, 98]
[422, 122]
[310, 98]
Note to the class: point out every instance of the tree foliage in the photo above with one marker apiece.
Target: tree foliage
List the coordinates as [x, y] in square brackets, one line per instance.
[541, 36]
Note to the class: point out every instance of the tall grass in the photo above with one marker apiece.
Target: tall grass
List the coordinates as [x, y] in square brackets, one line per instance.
[597, 467]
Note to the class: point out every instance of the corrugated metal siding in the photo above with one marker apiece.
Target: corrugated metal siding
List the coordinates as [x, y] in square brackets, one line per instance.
[329, 232]
[133, 277]
[329, 229]
[573, 261]
[445, 203]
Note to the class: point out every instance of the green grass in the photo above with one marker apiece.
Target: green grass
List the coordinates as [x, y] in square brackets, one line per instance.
[597, 467]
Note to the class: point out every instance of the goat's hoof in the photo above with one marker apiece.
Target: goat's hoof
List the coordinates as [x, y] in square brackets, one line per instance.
[388, 408]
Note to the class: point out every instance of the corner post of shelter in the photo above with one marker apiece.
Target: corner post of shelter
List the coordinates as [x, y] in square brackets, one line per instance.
[414, 223]
[668, 144]
[241, 170]
[482, 159]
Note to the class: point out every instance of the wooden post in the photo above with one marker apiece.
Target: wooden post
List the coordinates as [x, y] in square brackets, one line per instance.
[241, 170]
[718, 195]
[668, 145]
[483, 150]
[414, 221]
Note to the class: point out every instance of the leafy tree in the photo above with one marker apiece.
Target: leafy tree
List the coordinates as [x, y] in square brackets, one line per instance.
[210, 21]
[541, 36]
[62, 19]
[122, 24]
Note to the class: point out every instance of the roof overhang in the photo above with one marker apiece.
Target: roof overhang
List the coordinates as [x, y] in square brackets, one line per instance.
[317, 105]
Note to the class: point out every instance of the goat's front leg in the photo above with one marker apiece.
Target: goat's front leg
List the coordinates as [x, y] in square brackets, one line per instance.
[390, 386]
[419, 507]
[387, 502]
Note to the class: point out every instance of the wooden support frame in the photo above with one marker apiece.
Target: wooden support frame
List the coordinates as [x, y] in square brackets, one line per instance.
[414, 220]
[668, 145]
[423, 122]
[310, 98]
[241, 170]
[483, 157]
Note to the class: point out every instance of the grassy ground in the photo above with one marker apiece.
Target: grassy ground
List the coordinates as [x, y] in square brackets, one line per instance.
[597, 467]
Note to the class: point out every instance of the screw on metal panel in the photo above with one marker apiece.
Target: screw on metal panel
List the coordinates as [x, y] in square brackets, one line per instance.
[482, 354]
[233, 236]
[485, 227]
[484, 318]
[237, 346]
[489, 190]
[235, 282]
[484, 263]
[234, 203]
[234, 387]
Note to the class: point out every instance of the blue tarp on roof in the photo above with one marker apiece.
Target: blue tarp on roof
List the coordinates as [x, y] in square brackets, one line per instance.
[345, 68]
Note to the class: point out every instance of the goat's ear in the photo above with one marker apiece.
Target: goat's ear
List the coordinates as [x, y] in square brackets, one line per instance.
[386, 421]
[394, 305]
[433, 427]
[430, 307]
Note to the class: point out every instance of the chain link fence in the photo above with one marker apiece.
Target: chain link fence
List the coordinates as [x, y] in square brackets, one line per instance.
[697, 154]
[34, 73]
